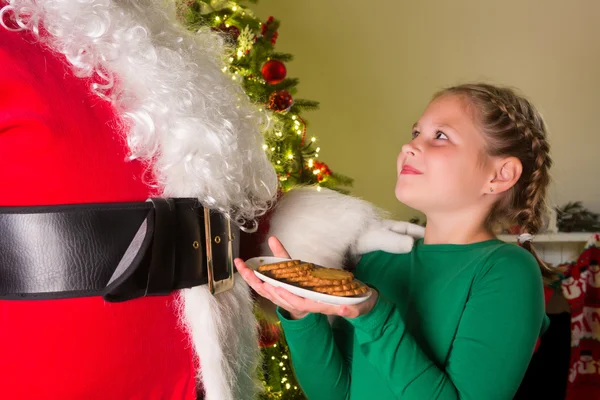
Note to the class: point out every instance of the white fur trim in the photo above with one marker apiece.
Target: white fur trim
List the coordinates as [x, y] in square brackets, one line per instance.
[326, 227]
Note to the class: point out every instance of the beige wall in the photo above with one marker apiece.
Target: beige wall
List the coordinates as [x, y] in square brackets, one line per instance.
[373, 65]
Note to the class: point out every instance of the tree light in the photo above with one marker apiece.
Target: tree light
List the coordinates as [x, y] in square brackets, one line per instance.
[313, 139]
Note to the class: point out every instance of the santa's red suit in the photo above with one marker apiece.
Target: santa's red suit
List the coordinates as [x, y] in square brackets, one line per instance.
[78, 125]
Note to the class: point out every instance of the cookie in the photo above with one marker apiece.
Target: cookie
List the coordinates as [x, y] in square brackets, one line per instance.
[282, 264]
[331, 274]
[352, 292]
[337, 288]
[289, 275]
[323, 282]
[299, 278]
[296, 268]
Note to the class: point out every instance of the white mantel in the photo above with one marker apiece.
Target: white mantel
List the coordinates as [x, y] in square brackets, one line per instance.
[557, 248]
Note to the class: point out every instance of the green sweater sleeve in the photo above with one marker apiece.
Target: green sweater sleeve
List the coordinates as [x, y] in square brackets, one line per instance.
[321, 370]
[491, 349]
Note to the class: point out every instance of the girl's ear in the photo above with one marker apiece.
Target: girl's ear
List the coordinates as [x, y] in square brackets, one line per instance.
[505, 175]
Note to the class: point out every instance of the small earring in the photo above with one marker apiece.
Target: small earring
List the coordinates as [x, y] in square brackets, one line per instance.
[491, 190]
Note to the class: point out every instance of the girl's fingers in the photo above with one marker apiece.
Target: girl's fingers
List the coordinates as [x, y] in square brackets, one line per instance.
[251, 279]
[247, 273]
[277, 248]
[263, 289]
[306, 305]
[278, 300]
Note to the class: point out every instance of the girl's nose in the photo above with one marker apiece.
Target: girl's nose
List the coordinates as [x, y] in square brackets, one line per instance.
[409, 149]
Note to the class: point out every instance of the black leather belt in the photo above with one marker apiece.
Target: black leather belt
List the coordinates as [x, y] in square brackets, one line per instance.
[119, 251]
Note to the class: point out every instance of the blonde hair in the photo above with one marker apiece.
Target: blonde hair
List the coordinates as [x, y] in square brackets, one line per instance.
[514, 128]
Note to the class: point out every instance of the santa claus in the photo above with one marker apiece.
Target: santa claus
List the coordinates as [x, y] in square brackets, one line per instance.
[128, 161]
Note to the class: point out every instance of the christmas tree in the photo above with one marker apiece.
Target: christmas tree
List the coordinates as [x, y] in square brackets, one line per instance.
[261, 70]
[294, 154]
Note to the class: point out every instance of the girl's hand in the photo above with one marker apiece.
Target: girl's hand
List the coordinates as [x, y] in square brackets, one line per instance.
[297, 306]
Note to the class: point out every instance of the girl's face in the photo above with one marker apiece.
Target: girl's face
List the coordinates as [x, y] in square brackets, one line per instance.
[444, 168]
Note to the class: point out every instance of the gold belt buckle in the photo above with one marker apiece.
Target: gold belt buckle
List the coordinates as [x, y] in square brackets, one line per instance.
[226, 284]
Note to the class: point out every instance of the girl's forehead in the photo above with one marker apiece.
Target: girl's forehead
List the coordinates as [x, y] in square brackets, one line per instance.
[449, 110]
[448, 106]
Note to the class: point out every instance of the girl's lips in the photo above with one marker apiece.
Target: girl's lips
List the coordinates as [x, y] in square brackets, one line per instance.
[408, 170]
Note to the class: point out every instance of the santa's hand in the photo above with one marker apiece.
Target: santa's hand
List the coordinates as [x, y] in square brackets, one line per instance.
[297, 306]
[389, 236]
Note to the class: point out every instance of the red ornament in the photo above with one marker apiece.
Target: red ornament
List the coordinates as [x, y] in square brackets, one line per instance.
[268, 333]
[280, 101]
[274, 72]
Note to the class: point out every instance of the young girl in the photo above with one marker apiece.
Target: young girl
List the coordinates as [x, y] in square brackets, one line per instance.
[458, 316]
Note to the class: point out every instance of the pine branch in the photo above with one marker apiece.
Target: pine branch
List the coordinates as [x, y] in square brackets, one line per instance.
[342, 179]
[283, 57]
[304, 105]
[286, 84]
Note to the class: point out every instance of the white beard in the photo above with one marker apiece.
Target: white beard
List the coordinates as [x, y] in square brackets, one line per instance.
[195, 130]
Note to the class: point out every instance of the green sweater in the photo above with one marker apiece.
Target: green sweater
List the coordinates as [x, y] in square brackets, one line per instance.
[451, 322]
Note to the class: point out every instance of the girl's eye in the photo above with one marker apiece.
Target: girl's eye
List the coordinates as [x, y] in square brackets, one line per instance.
[441, 135]
[415, 134]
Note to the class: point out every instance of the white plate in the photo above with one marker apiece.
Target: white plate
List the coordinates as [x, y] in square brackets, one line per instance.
[255, 262]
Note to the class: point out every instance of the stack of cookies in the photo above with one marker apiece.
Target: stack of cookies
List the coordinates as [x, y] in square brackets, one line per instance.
[335, 282]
